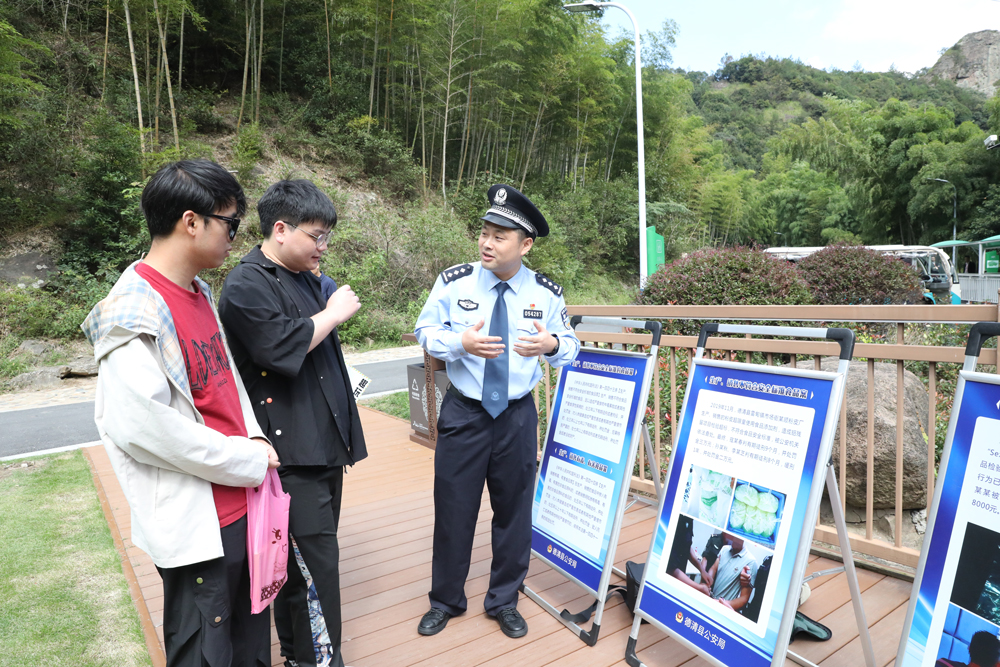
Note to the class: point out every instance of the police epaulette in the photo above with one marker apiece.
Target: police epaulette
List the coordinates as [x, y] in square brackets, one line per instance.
[456, 272]
[544, 281]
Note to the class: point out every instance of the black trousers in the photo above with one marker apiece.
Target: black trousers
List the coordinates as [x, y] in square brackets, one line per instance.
[206, 610]
[313, 520]
[473, 449]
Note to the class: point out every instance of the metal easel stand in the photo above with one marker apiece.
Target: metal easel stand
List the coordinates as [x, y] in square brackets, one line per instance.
[565, 617]
[831, 484]
[852, 583]
[657, 484]
[848, 569]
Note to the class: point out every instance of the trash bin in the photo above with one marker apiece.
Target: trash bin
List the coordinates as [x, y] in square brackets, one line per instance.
[418, 396]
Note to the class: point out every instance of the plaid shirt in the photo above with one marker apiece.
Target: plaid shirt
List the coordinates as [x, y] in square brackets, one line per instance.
[134, 304]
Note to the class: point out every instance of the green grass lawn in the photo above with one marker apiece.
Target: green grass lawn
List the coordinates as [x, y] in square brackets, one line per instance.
[395, 405]
[64, 597]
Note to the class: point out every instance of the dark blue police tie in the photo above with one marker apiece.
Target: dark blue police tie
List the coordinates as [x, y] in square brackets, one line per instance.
[495, 376]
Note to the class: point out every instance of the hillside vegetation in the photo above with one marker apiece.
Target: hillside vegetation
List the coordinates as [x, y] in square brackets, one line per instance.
[405, 111]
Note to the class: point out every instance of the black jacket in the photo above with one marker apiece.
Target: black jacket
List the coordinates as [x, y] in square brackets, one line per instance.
[269, 330]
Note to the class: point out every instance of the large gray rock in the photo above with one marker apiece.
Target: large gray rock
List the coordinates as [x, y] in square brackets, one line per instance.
[35, 348]
[974, 62]
[915, 414]
[30, 269]
[40, 378]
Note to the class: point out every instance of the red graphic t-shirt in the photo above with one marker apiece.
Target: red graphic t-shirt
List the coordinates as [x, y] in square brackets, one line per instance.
[212, 383]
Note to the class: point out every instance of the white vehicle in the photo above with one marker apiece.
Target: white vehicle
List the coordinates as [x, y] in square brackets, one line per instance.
[933, 264]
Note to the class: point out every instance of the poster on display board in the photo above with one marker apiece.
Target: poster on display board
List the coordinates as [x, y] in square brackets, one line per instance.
[587, 461]
[956, 593]
[741, 498]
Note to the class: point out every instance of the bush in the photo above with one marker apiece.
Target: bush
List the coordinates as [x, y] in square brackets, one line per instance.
[199, 106]
[247, 152]
[109, 233]
[36, 313]
[855, 275]
[377, 155]
[729, 276]
[374, 325]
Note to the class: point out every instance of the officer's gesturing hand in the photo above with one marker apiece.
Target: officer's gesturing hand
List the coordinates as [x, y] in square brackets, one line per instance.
[541, 343]
[480, 345]
[340, 307]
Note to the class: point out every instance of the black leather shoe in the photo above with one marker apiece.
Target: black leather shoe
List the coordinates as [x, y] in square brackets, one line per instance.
[433, 622]
[512, 623]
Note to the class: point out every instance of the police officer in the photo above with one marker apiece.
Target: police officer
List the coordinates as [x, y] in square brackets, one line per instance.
[489, 321]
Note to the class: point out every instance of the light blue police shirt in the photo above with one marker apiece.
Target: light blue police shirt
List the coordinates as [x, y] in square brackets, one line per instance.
[465, 294]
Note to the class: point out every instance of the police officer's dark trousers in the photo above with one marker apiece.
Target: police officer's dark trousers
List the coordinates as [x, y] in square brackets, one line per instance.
[206, 610]
[473, 448]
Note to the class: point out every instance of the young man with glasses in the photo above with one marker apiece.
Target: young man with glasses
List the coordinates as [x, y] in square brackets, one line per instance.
[177, 423]
[284, 339]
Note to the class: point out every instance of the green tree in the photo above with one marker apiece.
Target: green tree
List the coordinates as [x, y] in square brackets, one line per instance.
[808, 207]
[17, 80]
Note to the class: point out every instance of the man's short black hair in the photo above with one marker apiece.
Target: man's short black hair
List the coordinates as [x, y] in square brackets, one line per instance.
[984, 649]
[295, 201]
[201, 186]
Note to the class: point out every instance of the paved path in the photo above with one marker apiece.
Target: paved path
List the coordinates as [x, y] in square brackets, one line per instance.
[24, 431]
[64, 415]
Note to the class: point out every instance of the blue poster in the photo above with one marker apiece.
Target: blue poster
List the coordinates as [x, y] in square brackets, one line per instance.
[586, 462]
[957, 589]
[734, 509]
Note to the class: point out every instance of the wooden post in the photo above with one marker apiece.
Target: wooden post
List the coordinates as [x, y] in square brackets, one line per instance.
[900, 408]
[656, 412]
[931, 429]
[673, 399]
[843, 454]
[432, 434]
[870, 478]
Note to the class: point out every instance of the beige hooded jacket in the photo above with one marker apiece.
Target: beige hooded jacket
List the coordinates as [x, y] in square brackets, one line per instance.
[164, 456]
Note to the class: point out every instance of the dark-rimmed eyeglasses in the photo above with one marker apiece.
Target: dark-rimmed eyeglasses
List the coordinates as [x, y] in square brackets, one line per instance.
[234, 223]
[320, 239]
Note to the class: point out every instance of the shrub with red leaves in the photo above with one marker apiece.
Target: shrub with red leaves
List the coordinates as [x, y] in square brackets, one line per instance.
[727, 276]
[854, 275]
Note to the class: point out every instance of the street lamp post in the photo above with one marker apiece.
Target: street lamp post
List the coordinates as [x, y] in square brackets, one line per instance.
[592, 6]
[954, 214]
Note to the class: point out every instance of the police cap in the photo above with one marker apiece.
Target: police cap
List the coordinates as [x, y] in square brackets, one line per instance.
[510, 209]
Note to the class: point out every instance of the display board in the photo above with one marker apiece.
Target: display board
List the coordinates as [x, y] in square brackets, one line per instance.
[587, 461]
[957, 589]
[745, 481]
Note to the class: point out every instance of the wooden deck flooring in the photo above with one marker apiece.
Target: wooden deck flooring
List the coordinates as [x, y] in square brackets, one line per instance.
[386, 530]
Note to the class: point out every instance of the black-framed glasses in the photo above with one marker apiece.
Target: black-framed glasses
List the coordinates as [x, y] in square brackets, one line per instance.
[320, 239]
[234, 223]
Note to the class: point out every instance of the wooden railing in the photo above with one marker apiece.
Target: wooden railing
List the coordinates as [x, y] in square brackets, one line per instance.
[676, 352]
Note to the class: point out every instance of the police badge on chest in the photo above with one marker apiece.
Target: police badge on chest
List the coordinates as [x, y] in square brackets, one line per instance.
[532, 314]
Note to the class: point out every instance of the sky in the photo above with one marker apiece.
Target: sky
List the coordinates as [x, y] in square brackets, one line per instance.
[823, 33]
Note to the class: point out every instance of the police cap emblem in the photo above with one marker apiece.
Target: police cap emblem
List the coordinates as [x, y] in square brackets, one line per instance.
[512, 210]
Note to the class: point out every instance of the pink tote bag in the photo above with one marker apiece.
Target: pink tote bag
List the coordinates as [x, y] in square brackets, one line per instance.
[267, 540]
